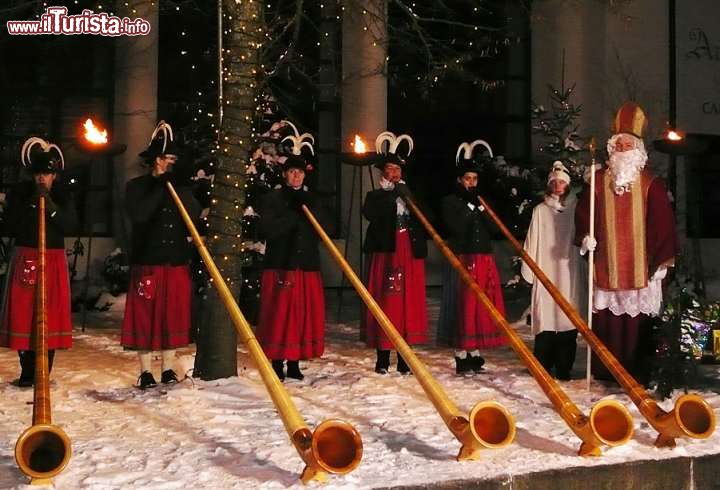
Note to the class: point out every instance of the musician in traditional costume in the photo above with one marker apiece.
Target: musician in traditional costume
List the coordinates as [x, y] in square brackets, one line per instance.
[157, 311]
[635, 241]
[465, 324]
[291, 325]
[550, 243]
[397, 247]
[45, 161]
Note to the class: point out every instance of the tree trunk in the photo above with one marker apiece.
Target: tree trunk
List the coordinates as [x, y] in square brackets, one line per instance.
[217, 339]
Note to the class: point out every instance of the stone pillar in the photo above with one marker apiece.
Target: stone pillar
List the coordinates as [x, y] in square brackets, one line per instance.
[364, 103]
[568, 47]
[135, 111]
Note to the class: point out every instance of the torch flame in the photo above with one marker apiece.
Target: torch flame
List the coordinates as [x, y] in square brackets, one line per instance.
[359, 145]
[94, 135]
[673, 135]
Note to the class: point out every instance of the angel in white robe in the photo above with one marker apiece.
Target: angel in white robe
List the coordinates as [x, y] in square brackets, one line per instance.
[549, 243]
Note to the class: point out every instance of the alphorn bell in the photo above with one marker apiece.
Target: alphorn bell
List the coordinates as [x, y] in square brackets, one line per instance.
[609, 422]
[43, 449]
[692, 416]
[335, 446]
[489, 424]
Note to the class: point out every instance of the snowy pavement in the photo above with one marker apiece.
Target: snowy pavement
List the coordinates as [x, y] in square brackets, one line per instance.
[226, 434]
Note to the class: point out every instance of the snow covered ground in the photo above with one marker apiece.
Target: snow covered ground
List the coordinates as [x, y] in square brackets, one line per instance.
[226, 434]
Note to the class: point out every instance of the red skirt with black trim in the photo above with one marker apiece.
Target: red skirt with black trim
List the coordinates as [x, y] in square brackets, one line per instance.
[397, 282]
[19, 300]
[465, 323]
[291, 325]
[157, 310]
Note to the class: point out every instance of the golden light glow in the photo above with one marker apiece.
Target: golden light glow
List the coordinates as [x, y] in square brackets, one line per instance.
[359, 145]
[93, 134]
[673, 135]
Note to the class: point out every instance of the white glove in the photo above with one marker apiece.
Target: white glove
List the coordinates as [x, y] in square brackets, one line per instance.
[659, 274]
[588, 245]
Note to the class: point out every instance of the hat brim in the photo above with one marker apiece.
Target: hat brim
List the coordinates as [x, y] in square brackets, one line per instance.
[384, 159]
[298, 162]
[467, 166]
[43, 163]
[156, 150]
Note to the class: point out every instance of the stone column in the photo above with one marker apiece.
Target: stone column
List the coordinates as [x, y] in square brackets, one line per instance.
[568, 47]
[135, 111]
[364, 103]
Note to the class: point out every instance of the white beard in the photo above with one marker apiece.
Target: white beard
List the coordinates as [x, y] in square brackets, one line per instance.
[625, 168]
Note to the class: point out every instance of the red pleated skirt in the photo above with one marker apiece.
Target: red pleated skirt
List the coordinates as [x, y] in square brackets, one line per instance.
[475, 327]
[397, 282]
[19, 300]
[291, 325]
[157, 310]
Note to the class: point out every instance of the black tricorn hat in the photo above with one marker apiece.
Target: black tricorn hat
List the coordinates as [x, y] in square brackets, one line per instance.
[466, 159]
[391, 154]
[298, 161]
[48, 159]
[161, 143]
[467, 166]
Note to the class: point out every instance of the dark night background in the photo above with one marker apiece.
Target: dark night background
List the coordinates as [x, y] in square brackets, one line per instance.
[50, 84]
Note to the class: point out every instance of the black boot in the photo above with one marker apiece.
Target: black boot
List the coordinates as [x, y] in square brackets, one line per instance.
[565, 354]
[476, 363]
[168, 377]
[51, 359]
[293, 370]
[544, 350]
[462, 365]
[27, 369]
[279, 368]
[402, 366]
[146, 380]
[383, 361]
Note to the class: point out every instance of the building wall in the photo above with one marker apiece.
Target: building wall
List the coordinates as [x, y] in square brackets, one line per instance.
[614, 55]
[611, 55]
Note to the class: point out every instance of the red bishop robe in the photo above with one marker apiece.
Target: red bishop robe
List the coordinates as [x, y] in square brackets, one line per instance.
[635, 231]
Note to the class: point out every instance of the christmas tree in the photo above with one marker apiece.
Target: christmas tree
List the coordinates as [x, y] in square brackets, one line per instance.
[560, 131]
[263, 174]
[682, 335]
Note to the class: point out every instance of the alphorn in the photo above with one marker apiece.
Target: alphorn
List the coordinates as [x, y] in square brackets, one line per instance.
[335, 446]
[609, 421]
[489, 424]
[691, 416]
[43, 449]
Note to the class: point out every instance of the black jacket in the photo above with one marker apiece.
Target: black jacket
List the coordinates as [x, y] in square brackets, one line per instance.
[467, 229]
[291, 241]
[21, 216]
[159, 235]
[380, 209]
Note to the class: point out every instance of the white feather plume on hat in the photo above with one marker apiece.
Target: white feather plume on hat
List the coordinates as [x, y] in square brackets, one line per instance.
[46, 147]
